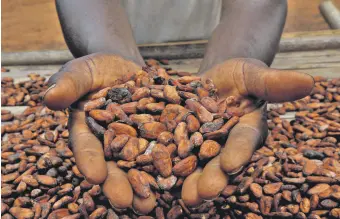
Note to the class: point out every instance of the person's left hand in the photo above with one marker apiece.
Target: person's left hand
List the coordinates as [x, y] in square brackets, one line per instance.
[252, 83]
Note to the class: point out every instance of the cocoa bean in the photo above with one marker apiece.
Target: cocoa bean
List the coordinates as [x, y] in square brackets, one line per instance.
[139, 184]
[272, 189]
[202, 113]
[335, 212]
[130, 150]
[121, 129]
[171, 95]
[318, 189]
[161, 160]
[175, 212]
[256, 189]
[329, 204]
[266, 204]
[166, 183]
[209, 149]
[152, 130]
[186, 166]
[21, 212]
[94, 104]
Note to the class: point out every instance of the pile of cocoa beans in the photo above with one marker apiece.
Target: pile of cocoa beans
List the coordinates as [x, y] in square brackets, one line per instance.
[39, 177]
[26, 93]
[296, 174]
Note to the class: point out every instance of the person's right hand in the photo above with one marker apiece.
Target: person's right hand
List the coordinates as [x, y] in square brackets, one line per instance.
[75, 80]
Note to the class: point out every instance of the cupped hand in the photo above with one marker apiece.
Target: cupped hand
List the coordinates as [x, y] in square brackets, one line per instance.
[75, 80]
[251, 83]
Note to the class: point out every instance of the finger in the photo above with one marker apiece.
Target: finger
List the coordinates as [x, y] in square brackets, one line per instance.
[144, 206]
[72, 81]
[275, 85]
[212, 181]
[243, 140]
[85, 74]
[117, 187]
[189, 189]
[87, 149]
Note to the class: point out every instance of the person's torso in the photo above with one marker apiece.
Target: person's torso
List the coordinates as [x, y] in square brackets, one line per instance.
[157, 21]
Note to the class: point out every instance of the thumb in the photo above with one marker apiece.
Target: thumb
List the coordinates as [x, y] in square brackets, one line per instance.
[275, 85]
[86, 74]
[72, 82]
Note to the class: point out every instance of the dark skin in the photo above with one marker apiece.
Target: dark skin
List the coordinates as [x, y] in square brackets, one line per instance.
[239, 52]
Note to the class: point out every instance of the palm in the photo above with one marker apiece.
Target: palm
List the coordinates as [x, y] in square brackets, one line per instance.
[251, 83]
[82, 77]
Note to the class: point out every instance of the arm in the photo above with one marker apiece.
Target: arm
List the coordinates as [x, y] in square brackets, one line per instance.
[248, 29]
[97, 26]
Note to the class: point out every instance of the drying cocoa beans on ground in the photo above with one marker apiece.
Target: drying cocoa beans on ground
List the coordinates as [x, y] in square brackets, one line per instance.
[26, 93]
[296, 174]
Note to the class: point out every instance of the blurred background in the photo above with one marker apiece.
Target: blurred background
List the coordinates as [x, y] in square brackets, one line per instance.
[33, 25]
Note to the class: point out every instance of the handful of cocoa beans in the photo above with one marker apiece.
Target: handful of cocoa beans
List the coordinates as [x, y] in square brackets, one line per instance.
[160, 129]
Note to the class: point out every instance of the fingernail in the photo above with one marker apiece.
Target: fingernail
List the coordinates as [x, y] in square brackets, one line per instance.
[136, 212]
[313, 84]
[236, 172]
[48, 89]
[115, 208]
[73, 107]
[211, 200]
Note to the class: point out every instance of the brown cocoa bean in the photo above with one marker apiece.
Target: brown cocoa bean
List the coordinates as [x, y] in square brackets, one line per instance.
[162, 160]
[130, 150]
[318, 189]
[171, 94]
[210, 104]
[186, 166]
[209, 149]
[18, 212]
[46, 180]
[175, 212]
[152, 130]
[256, 189]
[305, 205]
[166, 183]
[165, 138]
[121, 129]
[139, 184]
[119, 142]
[202, 113]
[94, 104]
[266, 204]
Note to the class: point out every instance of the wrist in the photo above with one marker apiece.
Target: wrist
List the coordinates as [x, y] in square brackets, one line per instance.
[123, 49]
[248, 29]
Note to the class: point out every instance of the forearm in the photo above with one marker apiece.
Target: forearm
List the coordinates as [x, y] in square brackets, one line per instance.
[97, 26]
[248, 29]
